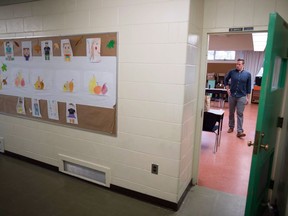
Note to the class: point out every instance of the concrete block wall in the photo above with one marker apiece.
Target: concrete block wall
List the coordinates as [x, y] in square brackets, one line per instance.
[225, 13]
[156, 92]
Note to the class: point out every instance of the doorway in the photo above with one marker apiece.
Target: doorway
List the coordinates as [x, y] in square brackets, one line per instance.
[228, 169]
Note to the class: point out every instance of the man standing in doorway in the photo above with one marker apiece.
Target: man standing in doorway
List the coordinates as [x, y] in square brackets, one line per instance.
[238, 85]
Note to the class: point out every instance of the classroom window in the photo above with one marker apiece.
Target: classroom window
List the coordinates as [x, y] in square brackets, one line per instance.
[221, 55]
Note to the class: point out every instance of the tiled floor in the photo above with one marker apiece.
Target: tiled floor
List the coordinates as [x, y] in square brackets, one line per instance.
[228, 170]
[30, 190]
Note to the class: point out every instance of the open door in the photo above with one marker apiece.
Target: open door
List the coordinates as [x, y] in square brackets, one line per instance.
[268, 126]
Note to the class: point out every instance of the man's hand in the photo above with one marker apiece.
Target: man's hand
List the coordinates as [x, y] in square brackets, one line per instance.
[228, 91]
[247, 101]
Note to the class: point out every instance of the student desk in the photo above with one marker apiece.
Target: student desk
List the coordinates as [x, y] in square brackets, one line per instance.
[213, 122]
[221, 92]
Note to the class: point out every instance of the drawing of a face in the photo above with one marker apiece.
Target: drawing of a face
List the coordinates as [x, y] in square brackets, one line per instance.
[67, 48]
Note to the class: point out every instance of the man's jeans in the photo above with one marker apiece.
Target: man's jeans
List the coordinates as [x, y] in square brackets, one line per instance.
[239, 105]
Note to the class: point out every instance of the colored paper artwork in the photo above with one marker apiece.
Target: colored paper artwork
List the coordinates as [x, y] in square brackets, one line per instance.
[20, 108]
[9, 50]
[71, 113]
[41, 80]
[19, 80]
[66, 50]
[39, 84]
[110, 44]
[93, 49]
[95, 88]
[36, 108]
[37, 48]
[53, 109]
[68, 81]
[4, 67]
[47, 50]
[99, 83]
[3, 76]
[3, 81]
[68, 86]
[26, 50]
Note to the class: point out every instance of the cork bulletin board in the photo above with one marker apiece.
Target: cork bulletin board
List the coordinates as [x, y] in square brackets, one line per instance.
[71, 75]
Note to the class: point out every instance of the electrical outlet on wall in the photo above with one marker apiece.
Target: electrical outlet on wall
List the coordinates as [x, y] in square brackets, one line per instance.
[154, 169]
[2, 144]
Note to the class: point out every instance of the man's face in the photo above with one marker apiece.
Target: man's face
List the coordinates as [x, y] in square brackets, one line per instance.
[239, 65]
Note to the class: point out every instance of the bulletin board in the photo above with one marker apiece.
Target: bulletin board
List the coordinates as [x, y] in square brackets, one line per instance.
[65, 80]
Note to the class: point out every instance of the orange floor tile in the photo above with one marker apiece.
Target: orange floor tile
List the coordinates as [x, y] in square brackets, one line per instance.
[228, 170]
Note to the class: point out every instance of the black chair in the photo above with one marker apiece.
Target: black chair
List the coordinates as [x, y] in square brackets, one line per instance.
[212, 123]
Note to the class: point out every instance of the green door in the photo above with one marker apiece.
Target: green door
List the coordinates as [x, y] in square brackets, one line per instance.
[269, 111]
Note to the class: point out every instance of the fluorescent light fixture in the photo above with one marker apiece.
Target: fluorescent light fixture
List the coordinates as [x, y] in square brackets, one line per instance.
[259, 41]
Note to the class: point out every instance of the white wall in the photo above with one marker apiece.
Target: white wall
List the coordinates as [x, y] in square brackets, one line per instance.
[190, 93]
[223, 14]
[157, 89]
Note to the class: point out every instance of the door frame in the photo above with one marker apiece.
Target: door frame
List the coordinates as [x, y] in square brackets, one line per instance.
[201, 93]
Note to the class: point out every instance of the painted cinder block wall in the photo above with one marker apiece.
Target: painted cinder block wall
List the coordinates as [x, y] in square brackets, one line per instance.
[225, 14]
[157, 89]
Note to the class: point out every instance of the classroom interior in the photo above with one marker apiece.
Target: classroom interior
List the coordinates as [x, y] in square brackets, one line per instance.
[229, 167]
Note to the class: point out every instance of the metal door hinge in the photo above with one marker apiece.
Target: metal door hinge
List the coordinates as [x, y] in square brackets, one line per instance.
[280, 122]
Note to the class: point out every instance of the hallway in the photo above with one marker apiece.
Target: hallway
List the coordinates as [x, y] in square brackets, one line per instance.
[31, 190]
[228, 170]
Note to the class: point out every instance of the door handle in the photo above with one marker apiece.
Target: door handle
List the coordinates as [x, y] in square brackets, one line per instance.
[264, 146]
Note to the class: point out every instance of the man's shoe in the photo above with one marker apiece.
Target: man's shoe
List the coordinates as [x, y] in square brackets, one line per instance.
[230, 130]
[240, 134]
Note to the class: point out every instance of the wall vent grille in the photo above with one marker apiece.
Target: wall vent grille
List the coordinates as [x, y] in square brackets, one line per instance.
[85, 170]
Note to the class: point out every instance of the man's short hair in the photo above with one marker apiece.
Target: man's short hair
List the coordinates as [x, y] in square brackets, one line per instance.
[240, 59]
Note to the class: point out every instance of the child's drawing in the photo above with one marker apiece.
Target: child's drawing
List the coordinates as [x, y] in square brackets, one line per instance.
[93, 49]
[9, 51]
